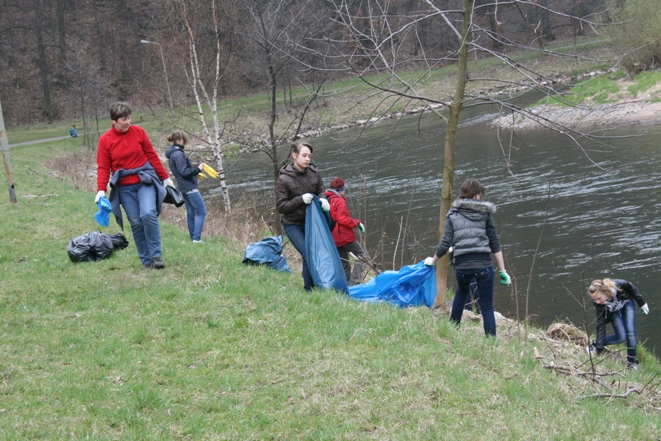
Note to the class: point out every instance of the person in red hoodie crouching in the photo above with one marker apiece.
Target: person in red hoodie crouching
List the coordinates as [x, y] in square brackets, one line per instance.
[343, 234]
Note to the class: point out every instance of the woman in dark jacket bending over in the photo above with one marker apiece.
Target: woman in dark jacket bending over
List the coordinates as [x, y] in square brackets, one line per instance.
[471, 230]
[614, 302]
[297, 184]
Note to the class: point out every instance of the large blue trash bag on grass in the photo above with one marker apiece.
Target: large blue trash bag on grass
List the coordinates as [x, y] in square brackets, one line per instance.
[267, 252]
[412, 285]
[322, 256]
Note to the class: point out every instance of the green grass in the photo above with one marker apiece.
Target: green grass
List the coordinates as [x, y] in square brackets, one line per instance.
[211, 349]
[598, 90]
[644, 81]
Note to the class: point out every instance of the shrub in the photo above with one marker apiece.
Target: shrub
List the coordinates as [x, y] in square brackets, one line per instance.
[635, 29]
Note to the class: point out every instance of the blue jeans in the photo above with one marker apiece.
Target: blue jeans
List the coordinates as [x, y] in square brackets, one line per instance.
[296, 235]
[139, 202]
[484, 279]
[196, 212]
[624, 324]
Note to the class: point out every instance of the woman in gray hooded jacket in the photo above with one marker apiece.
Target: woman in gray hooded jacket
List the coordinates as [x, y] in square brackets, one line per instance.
[471, 231]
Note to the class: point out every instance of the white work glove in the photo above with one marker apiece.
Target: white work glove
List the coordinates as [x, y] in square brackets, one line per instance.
[505, 279]
[168, 183]
[645, 309]
[99, 195]
[307, 198]
[429, 261]
[324, 204]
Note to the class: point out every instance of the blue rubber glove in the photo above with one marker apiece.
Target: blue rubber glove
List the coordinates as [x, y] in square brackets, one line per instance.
[361, 227]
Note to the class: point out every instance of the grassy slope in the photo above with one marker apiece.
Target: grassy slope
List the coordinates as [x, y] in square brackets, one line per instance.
[211, 349]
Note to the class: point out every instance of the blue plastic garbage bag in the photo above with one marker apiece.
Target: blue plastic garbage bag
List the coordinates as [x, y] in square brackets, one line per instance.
[322, 256]
[102, 217]
[412, 285]
[267, 252]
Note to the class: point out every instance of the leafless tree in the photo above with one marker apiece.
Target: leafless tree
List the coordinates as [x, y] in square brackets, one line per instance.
[206, 67]
[376, 42]
[83, 72]
[273, 26]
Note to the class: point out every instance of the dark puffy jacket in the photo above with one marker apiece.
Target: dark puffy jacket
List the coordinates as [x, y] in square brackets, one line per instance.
[289, 189]
[470, 229]
[182, 168]
[626, 291]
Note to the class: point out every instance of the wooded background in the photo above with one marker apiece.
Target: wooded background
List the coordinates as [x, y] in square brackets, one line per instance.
[61, 58]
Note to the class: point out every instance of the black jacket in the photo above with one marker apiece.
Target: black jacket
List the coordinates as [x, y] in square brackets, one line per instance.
[626, 291]
[182, 168]
[290, 188]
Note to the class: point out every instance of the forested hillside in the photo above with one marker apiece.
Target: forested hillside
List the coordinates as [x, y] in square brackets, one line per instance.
[69, 58]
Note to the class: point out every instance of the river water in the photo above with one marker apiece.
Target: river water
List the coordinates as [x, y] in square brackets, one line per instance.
[565, 216]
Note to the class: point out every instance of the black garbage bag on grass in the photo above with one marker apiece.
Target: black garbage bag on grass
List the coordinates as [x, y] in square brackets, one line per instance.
[95, 246]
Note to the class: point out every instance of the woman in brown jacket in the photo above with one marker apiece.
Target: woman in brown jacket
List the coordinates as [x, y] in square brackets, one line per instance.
[299, 181]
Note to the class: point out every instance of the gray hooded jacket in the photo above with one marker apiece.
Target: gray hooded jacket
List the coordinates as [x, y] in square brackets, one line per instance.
[471, 230]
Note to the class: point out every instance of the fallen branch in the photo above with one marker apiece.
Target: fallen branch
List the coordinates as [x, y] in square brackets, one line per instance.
[574, 371]
[624, 395]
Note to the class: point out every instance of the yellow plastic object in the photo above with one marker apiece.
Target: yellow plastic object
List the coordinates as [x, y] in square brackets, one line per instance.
[201, 176]
[211, 172]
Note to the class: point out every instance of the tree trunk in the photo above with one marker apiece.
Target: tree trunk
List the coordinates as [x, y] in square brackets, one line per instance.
[448, 157]
[62, 38]
[273, 96]
[547, 30]
[48, 111]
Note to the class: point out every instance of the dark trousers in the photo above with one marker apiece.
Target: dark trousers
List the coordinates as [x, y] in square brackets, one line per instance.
[484, 279]
[356, 276]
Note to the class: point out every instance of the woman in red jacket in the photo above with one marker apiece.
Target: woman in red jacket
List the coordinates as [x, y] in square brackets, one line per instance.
[138, 182]
[343, 234]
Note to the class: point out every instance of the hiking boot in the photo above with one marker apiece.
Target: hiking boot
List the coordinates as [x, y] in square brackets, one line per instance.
[632, 366]
[159, 263]
[148, 265]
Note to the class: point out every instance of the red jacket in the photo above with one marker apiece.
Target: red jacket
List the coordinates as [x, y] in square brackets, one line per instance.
[344, 223]
[128, 150]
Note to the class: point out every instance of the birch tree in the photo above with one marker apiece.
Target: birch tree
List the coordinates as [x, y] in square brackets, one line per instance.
[205, 68]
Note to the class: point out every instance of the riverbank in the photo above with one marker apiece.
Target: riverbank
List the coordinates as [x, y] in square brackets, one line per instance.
[209, 348]
[626, 113]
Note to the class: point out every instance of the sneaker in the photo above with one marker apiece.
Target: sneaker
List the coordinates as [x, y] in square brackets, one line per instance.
[592, 349]
[159, 263]
[632, 366]
[197, 241]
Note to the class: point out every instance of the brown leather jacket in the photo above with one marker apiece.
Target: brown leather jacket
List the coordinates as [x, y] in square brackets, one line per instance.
[289, 189]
